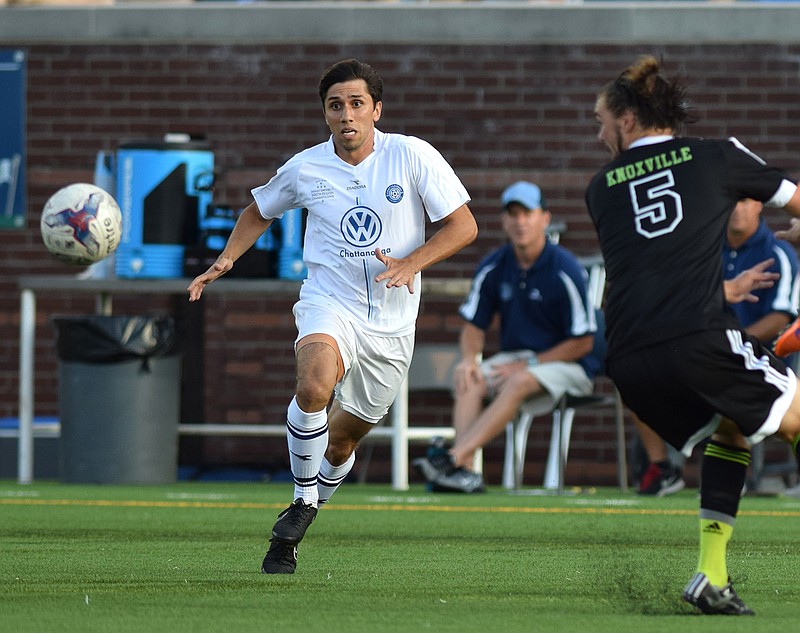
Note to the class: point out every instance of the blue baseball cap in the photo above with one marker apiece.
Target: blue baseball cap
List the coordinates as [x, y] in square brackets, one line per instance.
[525, 193]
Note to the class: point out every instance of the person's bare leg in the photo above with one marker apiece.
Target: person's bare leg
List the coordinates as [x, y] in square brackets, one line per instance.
[307, 416]
[467, 407]
[789, 430]
[654, 446]
[494, 417]
[318, 369]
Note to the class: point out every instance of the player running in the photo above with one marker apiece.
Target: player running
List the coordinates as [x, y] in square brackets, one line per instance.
[368, 195]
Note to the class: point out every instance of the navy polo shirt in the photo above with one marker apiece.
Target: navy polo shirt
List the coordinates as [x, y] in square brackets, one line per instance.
[538, 307]
[783, 296]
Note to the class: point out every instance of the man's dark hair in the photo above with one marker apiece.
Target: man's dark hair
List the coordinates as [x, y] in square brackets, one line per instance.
[348, 70]
[657, 102]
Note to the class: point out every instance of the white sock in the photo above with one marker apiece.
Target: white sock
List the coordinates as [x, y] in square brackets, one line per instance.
[331, 476]
[307, 437]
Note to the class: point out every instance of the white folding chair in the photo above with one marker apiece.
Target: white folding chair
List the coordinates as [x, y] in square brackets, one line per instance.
[563, 415]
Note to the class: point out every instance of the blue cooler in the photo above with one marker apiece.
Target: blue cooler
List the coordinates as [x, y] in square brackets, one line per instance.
[290, 253]
[161, 189]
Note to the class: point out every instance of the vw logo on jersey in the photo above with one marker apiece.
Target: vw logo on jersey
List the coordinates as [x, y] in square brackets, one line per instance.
[361, 227]
[394, 193]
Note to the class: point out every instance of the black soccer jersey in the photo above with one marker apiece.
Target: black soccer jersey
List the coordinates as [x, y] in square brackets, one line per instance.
[661, 211]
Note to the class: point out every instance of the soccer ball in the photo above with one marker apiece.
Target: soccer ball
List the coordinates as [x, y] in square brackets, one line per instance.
[81, 224]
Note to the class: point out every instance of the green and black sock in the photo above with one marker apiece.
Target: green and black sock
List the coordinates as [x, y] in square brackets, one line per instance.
[722, 478]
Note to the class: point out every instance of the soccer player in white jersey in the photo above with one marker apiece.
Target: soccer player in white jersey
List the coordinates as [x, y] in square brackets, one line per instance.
[367, 194]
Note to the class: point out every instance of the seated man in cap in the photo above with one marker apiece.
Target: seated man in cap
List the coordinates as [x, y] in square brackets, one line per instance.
[546, 330]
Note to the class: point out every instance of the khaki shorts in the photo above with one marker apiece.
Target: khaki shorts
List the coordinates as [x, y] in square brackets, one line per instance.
[374, 366]
[557, 377]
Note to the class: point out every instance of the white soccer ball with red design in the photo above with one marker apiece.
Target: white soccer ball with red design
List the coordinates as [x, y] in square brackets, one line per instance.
[81, 224]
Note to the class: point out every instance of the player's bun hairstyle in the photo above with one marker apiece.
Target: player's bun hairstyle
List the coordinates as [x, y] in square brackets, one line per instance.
[348, 70]
[657, 102]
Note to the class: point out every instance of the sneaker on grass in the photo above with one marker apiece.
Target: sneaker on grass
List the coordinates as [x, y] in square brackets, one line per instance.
[660, 482]
[442, 474]
[713, 600]
[434, 464]
[459, 479]
[281, 558]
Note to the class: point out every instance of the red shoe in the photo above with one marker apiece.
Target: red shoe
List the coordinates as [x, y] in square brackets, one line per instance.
[788, 341]
[657, 483]
[651, 481]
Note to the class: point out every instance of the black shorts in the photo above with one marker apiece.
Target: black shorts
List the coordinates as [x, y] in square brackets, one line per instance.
[677, 387]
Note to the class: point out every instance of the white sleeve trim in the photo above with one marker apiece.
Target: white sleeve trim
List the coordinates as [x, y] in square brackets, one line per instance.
[741, 146]
[783, 195]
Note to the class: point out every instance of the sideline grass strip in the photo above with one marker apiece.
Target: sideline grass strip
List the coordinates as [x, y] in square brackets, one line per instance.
[186, 558]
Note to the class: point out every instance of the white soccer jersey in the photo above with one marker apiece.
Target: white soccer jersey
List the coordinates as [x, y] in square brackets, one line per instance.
[354, 209]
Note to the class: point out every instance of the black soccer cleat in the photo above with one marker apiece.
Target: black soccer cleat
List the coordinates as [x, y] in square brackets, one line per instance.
[459, 479]
[437, 459]
[713, 600]
[437, 463]
[293, 522]
[281, 558]
[442, 474]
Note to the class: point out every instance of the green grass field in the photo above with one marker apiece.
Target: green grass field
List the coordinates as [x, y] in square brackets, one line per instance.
[186, 557]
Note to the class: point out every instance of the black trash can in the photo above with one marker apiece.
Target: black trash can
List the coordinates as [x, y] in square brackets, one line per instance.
[119, 399]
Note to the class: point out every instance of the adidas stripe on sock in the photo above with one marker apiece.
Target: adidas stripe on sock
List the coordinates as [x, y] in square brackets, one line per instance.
[722, 477]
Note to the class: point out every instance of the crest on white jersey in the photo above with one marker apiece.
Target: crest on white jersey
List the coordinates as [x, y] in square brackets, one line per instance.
[394, 193]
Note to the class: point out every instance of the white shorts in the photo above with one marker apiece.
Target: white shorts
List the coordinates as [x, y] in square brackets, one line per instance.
[557, 377]
[374, 366]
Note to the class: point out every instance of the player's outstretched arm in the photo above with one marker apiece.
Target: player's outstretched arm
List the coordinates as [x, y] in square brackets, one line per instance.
[458, 230]
[248, 229]
[217, 269]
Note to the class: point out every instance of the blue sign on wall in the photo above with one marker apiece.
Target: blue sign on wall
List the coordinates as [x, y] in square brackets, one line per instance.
[12, 139]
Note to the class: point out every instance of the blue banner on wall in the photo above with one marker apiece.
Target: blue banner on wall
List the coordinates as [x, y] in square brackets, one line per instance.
[12, 139]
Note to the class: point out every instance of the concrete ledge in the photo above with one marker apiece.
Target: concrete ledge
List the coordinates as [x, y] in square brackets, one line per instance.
[405, 23]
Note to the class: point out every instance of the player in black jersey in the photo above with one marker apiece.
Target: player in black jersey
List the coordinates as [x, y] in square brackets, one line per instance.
[675, 352]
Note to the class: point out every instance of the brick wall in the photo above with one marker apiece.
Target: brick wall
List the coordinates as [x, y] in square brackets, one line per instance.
[498, 113]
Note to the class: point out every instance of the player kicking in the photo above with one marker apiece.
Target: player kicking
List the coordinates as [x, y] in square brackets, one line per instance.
[675, 353]
[367, 194]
